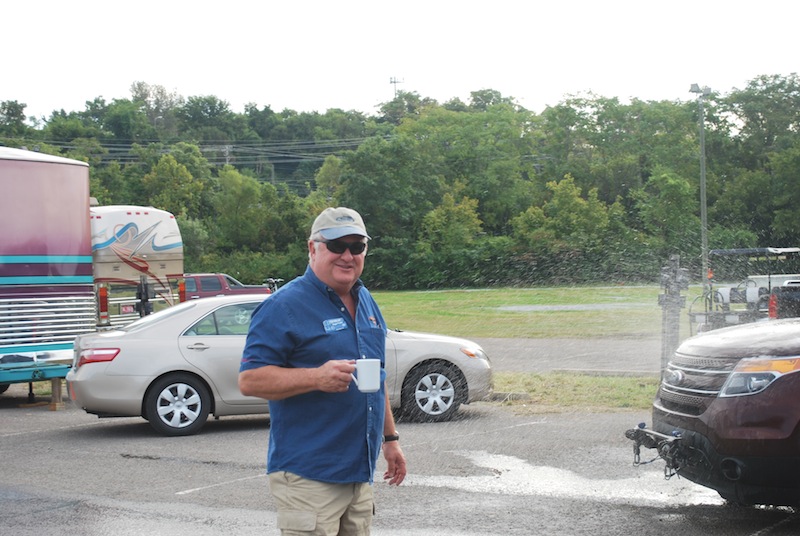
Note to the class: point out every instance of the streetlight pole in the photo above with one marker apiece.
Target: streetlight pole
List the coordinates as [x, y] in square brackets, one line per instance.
[703, 213]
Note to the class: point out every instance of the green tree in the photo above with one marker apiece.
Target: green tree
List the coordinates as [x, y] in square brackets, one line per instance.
[190, 156]
[160, 106]
[328, 177]
[566, 222]
[627, 252]
[747, 201]
[767, 113]
[108, 185]
[565, 148]
[452, 225]
[87, 150]
[262, 121]
[405, 104]
[196, 244]
[786, 196]
[532, 232]
[210, 119]
[483, 100]
[288, 222]
[206, 111]
[392, 185]
[668, 206]
[615, 147]
[12, 119]
[127, 121]
[67, 127]
[171, 187]
[485, 151]
[240, 215]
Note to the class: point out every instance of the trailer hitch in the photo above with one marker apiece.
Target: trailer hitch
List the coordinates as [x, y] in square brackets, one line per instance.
[669, 448]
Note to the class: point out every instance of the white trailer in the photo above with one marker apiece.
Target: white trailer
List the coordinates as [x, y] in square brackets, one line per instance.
[137, 259]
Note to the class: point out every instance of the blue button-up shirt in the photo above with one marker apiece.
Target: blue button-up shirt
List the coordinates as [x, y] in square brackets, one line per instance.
[329, 437]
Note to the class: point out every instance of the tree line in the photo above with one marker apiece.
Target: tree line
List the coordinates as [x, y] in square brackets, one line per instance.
[454, 194]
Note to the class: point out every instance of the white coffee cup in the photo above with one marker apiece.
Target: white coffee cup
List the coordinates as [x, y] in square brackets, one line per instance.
[368, 375]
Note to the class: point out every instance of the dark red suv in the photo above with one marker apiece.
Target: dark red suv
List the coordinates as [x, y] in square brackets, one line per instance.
[727, 412]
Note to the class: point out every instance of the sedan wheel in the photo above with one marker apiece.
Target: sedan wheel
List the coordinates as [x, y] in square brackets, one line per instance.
[177, 405]
[433, 392]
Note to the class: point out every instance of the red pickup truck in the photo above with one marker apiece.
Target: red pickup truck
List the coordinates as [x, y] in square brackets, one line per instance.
[206, 285]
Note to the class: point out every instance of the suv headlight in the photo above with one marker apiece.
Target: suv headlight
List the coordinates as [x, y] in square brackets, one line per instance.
[753, 375]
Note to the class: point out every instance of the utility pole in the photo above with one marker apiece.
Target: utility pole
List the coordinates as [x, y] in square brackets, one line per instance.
[394, 81]
[701, 93]
[674, 279]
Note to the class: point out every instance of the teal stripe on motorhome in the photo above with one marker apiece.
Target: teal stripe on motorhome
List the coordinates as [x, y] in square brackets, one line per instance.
[45, 259]
[46, 280]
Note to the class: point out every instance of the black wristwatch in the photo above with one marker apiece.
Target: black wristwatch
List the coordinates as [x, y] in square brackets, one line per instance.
[393, 437]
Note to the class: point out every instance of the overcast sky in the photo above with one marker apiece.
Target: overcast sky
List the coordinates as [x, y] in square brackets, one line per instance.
[316, 55]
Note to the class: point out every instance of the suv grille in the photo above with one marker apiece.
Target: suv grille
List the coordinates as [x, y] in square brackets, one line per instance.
[690, 383]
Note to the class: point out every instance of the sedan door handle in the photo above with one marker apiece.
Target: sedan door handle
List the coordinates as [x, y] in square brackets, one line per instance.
[198, 346]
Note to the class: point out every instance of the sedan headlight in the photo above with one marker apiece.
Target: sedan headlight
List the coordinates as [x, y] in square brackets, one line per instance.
[474, 352]
[753, 375]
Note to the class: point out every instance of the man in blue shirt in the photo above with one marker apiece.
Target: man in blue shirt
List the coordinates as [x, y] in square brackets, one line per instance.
[325, 434]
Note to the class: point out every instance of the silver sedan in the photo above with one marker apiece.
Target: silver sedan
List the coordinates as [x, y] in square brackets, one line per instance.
[179, 365]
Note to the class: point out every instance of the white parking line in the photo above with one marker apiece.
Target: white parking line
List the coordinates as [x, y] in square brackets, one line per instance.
[218, 484]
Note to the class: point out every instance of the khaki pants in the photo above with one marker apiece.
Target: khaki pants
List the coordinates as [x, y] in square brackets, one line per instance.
[308, 507]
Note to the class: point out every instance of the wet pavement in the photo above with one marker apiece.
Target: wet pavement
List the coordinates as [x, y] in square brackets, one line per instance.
[497, 470]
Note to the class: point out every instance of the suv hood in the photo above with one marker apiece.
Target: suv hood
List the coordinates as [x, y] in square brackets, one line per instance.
[767, 338]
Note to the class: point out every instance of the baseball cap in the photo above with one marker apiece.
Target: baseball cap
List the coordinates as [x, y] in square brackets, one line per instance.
[333, 223]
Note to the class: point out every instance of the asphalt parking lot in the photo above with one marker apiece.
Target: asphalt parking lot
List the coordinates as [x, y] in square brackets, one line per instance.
[496, 470]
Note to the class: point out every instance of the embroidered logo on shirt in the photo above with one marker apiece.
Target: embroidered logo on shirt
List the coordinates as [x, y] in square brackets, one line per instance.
[334, 324]
[374, 322]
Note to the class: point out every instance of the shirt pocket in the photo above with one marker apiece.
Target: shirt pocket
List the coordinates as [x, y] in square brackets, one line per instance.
[372, 343]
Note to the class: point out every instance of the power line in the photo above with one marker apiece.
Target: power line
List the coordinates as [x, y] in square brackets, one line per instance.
[246, 153]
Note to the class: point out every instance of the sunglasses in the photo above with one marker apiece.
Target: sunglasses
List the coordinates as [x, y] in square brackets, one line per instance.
[339, 246]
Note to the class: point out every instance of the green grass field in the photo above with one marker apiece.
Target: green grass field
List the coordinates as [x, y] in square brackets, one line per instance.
[574, 312]
[569, 312]
[559, 392]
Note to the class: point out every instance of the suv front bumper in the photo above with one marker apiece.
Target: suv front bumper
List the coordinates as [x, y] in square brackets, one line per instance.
[745, 478]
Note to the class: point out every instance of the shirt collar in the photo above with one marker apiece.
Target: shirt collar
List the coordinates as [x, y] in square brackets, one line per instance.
[312, 277]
